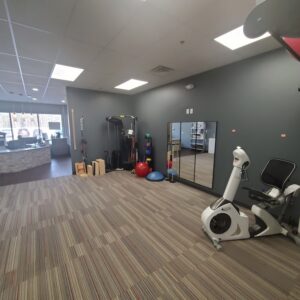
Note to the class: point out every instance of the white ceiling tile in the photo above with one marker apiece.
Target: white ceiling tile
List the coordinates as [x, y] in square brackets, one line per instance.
[170, 54]
[110, 81]
[14, 88]
[36, 94]
[36, 44]
[111, 62]
[147, 27]
[2, 10]
[10, 77]
[115, 40]
[31, 80]
[88, 80]
[100, 82]
[8, 63]
[77, 54]
[194, 56]
[218, 17]
[34, 67]
[55, 93]
[6, 45]
[57, 83]
[49, 15]
[214, 56]
[183, 10]
[258, 48]
[98, 22]
[190, 38]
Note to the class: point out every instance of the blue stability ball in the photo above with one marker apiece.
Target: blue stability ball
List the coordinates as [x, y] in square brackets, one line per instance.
[155, 176]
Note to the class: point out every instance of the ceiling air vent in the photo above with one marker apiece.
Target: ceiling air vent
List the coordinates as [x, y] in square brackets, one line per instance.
[161, 69]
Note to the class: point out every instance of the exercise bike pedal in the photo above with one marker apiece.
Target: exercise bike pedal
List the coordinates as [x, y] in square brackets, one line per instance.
[254, 229]
[215, 241]
[217, 244]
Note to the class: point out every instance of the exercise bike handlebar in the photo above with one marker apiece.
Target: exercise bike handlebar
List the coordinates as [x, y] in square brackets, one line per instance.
[292, 190]
[241, 159]
[241, 162]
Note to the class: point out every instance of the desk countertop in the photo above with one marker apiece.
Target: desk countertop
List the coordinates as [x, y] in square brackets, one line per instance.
[4, 150]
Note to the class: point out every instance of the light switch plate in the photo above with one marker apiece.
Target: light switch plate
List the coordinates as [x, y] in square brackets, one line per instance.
[187, 111]
[191, 111]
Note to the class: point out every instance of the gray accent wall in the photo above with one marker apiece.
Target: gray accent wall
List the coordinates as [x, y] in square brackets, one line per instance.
[258, 97]
[94, 107]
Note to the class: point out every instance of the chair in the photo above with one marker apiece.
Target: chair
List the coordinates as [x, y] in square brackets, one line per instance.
[60, 147]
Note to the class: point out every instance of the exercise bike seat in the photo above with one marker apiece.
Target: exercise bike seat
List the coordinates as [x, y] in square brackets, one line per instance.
[258, 195]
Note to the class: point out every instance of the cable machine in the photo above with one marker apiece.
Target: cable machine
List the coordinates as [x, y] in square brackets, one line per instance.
[122, 152]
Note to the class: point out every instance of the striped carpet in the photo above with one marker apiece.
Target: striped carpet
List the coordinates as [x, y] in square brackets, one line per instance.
[121, 237]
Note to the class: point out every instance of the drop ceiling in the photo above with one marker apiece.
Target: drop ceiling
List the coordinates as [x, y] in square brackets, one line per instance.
[115, 40]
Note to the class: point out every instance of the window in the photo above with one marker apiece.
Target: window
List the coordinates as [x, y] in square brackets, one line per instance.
[24, 125]
[30, 125]
[50, 125]
[5, 125]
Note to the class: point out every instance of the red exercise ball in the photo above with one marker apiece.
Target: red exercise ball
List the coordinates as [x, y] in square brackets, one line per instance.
[142, 169]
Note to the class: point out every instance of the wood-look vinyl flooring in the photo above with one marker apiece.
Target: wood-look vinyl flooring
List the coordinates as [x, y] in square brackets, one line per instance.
[204, 168]
[122, 237]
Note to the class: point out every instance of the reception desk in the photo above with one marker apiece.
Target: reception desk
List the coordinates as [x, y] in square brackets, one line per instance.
[12, 161]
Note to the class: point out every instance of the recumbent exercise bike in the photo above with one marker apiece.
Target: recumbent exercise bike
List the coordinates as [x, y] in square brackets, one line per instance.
[223, 220]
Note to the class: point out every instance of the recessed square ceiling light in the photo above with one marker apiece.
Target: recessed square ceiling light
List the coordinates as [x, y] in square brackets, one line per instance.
[67, 73]
[236, 38]
[34, 99]
[63, 101]
[131, 84]
[35, 89]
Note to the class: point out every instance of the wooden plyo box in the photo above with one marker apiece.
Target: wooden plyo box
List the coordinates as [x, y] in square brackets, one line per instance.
[80, 169]
[90, 170]
[101, 164]
[95, 166]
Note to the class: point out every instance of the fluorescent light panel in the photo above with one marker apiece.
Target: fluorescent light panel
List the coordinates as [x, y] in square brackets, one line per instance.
[131, 84]
[67, 73]
[236, 38]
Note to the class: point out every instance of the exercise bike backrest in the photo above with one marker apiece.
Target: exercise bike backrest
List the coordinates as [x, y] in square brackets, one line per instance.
[276, 175]
[277, 172]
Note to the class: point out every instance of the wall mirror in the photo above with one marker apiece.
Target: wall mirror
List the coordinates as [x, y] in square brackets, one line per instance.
[191, 147]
